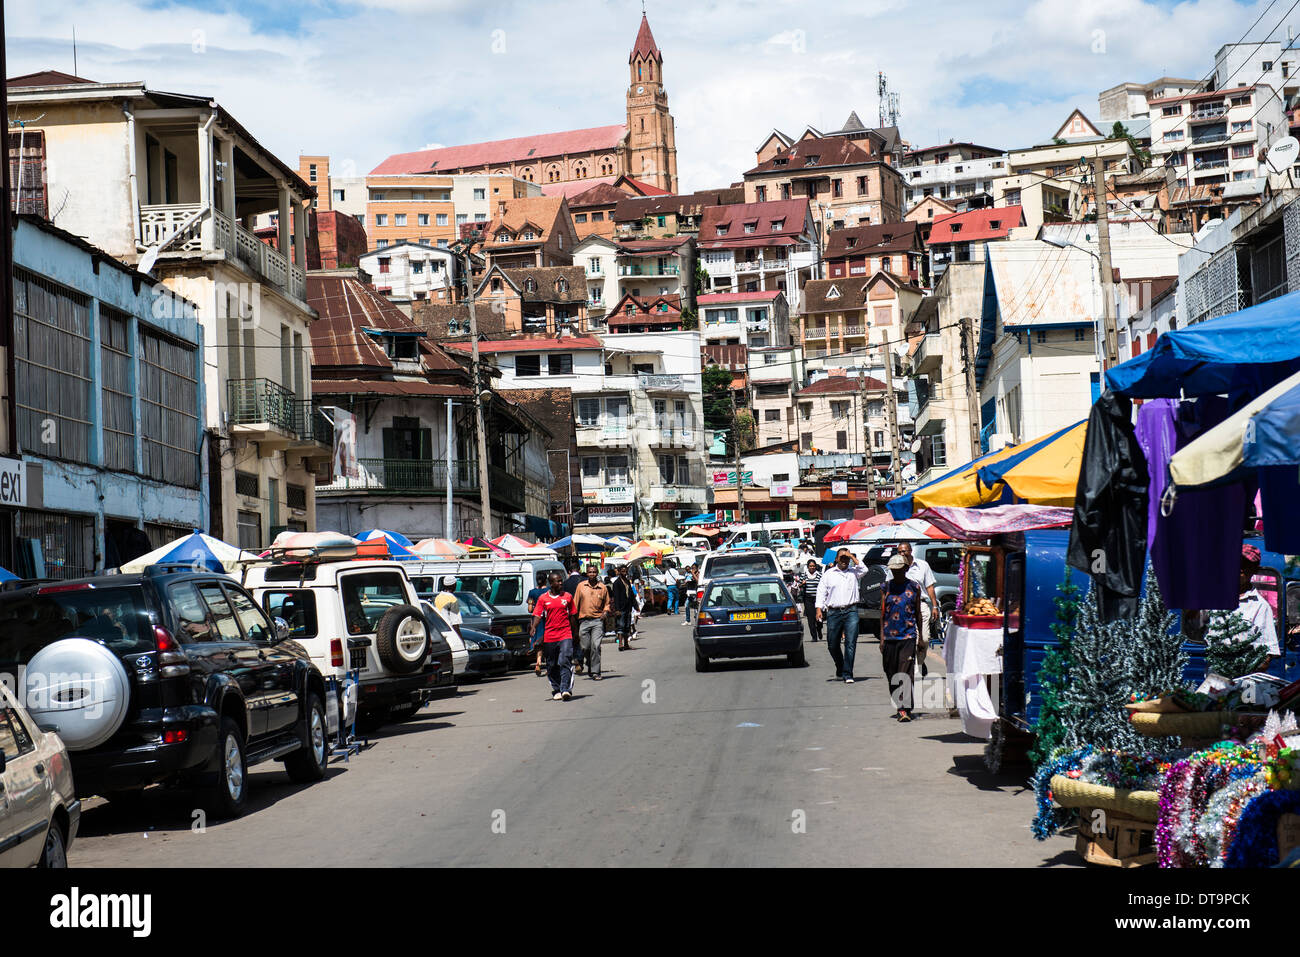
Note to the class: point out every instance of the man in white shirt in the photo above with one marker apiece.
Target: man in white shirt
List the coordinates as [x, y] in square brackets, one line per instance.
[1255, 608]
[837, 606]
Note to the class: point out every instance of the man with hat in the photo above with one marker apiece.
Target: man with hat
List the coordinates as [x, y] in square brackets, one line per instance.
[900, 621]
[447, 603]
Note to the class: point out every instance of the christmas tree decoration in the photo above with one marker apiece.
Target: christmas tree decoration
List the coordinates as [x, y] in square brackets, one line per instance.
[1157, 643]
[1230, 648]
[1054, 674]
[1104, 663]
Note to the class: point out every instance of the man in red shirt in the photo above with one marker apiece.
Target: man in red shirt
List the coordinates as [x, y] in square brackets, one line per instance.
[556, 610]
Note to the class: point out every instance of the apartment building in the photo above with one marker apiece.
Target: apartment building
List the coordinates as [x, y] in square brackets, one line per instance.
[391, 394]
[428, 209]
[774, 374]
[639, 413]
[109, 397]
[172, 183]
[753, 247]
[1048, 182]
[598, 257]
[1216, 137]
[649, 314]
[959, 173]
[756, 320]
[534, 231]
[411, 272]
[851, 323]
[845, 413]
[896, 248]
[545, 299]
[845, 183]
[658, 217]
[592, 207]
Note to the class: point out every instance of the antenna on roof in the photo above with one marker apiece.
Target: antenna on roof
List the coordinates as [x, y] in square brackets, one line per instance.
[74, 50]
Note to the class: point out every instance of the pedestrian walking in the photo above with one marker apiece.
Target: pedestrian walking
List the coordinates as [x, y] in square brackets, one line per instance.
[590, 602]
[535, 646]
[900, 620]
[623, 595]
[554, 614]
[809, 579]
[448, 604]
[919, 571]
[692, 586]
[673, 580]
[837, 606]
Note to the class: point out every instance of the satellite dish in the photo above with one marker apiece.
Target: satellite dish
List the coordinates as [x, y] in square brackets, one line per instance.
[1282, 154]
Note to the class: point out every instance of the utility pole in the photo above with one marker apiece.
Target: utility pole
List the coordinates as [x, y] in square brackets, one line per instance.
[451, 448]
[466, 247]
[891, 404]
[866, 442]
[735, 441]
[1107, 274]
[972, 398]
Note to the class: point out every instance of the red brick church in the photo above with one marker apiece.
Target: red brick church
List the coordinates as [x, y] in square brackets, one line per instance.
[644, 148]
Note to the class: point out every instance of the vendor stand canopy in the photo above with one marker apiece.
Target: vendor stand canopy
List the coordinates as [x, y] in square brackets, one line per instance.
[518, 547]
[1043, 471]
[646, 549]
[975, 524]
[440, 548]
[195, 550]
[581, 543]
[704, 518]
[911, 530]
[397, 547]
[660, 532]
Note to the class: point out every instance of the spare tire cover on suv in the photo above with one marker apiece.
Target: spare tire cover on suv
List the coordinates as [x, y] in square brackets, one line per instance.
[80, 688]
[402, 639]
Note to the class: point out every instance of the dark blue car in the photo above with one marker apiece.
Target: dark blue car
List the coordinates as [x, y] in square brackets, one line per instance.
[748, 617]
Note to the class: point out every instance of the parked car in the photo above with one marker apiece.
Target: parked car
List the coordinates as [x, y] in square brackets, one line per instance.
[749, 617]
[440, 625]
[514, 630]
[166, 676]
[361, 616]
[39, 810]
[488, 656]
[504, 583]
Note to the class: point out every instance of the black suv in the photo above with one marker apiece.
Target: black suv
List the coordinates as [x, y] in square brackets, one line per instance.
[212, 686]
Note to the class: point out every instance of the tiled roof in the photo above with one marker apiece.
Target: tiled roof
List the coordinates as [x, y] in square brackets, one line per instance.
[814, 154]
[603, 193]
[502, 152]
[546, 277]
[839, 385]
[45, 78]
[882, 237]
[645, 43]
[647, 310]
[852, 294]
[577, 187]
[792, 214]
[976, 225]
[541, 211]
[533, 344]
[385, 387]
[632, 208]
[347, 307]
[729, 356]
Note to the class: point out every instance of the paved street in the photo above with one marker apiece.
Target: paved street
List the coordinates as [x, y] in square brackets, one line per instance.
[711, 771]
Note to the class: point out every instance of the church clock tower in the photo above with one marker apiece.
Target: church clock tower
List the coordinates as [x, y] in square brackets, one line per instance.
[651, 139]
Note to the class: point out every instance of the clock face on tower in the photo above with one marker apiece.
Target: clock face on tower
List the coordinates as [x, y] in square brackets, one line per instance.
[640, 89]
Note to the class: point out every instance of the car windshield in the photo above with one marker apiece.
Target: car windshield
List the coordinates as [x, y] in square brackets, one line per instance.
[739, 594]
[473, 606]
[494, 589]
[728, 565]
[116, 617]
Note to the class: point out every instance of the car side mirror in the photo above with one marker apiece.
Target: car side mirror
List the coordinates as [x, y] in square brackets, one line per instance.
[282, 630]
[2, 762]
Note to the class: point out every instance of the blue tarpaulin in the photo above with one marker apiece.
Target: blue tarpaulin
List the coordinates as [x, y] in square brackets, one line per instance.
[706, 518]
[1248, 351]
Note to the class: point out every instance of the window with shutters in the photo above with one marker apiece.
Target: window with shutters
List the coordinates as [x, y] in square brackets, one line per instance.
[115, 386]
[27, 186]
[169, 410]
[52, 355]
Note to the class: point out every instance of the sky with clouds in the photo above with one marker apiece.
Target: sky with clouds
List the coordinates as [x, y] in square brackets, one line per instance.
[363, 79]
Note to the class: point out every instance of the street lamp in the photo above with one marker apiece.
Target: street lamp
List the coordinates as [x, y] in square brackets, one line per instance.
[462, 249]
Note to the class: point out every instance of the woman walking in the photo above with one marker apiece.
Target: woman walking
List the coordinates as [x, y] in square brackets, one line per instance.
[900, 617]
[808, 583]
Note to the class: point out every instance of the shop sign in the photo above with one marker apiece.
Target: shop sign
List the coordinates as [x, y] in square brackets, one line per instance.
[13, 483]
[782, 490]
[608, 514]
[839, 488]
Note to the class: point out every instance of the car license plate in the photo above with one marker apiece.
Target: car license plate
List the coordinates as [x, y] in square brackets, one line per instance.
[515, 630]
[748, 615]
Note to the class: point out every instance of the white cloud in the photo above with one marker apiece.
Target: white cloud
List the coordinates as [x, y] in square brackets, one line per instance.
[386, 76]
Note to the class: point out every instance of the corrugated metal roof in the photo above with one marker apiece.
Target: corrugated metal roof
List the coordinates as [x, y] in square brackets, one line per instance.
[1037, 283]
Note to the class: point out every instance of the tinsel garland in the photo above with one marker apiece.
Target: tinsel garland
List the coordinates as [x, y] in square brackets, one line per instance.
[1185, 794]
[1050, 818]
[1255, 843]
[1120, 769]
[1218, 825]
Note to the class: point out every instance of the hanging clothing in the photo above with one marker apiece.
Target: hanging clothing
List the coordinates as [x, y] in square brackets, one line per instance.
[1196, 548]
[1108, 538]
[1280, 503]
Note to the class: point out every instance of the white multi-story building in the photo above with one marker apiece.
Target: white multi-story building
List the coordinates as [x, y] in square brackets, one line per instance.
[1217, 136]
[752, 247]
[639, 415]
[958, 173]
[598, 257]
[410, 272]
[752, 319]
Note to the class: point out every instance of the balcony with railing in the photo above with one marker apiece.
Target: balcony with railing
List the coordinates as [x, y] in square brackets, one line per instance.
[1215, 163]
[263, 411]
[427, 477]
[929, 355]
[849, 330]
[1202, 113]
[812, 333]
[649, 270]
[159, 222]
[762, 265]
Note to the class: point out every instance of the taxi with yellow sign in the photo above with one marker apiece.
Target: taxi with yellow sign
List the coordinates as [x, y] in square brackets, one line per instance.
[748, 617]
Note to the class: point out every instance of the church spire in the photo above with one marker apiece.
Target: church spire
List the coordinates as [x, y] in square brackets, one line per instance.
[645, 45]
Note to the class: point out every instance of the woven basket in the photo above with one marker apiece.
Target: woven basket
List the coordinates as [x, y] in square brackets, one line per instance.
[1140, 805]
[1191, 724]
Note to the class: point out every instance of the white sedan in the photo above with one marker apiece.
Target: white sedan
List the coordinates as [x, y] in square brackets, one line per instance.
[39, 810]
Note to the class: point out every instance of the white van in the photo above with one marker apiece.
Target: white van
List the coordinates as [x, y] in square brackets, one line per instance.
[501, 582]
[768, 534]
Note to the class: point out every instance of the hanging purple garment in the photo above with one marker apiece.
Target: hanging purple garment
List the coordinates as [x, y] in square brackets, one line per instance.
[1196, 549]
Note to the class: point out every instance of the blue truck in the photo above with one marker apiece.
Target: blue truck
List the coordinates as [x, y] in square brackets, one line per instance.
[1025, 572]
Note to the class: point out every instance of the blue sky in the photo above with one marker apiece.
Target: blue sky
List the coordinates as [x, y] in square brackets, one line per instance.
[360, 80]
